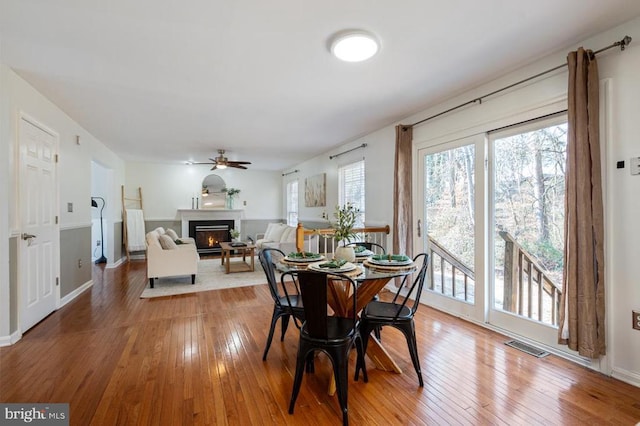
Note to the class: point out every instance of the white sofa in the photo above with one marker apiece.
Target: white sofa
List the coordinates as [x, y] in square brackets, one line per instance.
[278, 235]
[165, 258]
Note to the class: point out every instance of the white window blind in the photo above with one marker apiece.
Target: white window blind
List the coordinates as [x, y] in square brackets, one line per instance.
[351, 190]
[292, 203]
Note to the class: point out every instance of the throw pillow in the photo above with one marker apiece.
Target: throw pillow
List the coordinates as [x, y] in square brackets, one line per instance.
[172, 234]
[167, 243]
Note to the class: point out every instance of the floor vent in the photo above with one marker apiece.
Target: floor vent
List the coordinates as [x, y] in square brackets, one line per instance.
[531, 350]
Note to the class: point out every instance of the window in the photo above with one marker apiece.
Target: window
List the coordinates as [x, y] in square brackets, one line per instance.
[351, 187]
[292, 203]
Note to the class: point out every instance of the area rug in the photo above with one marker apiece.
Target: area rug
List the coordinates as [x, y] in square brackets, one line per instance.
[210, 276]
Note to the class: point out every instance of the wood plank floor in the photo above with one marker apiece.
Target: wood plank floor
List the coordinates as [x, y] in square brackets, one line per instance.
[196, 359]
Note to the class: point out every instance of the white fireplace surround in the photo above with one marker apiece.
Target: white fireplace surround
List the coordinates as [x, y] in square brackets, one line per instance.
[187, 215]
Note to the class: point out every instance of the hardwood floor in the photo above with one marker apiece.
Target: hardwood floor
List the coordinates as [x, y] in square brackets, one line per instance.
[196, 359]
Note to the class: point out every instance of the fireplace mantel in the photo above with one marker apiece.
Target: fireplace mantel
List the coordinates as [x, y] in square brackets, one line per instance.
[209, 214]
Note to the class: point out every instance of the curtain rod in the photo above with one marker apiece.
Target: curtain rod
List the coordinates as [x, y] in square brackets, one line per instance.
[291, 172]
[622, 43]
[331, 157]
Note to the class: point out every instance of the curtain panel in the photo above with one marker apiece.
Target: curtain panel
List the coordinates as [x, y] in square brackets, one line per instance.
[582, 303]
[402, 198]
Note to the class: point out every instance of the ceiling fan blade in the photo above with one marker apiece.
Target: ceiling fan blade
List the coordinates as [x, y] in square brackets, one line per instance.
[237, 166]
[215, 166]
[238, 162]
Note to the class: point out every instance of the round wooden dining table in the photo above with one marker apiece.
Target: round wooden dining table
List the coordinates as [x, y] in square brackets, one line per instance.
[371, 280]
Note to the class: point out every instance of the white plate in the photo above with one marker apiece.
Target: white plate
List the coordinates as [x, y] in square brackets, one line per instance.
[303, 259]
[344, 268]
[387, 262]
[364, 253]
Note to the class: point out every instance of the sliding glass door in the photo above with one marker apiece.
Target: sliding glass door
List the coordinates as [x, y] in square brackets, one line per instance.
[448, 214]
[492, 211]
[527, 169]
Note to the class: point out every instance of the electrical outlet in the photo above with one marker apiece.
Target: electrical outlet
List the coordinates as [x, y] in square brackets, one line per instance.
[636, 320]
[79, 263]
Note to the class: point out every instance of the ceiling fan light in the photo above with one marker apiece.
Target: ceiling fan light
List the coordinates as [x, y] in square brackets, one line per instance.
[354, 46]
[221, 166]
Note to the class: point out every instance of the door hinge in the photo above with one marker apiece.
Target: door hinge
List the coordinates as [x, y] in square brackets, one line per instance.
[57, 281]
[56, 158]
[56, 220]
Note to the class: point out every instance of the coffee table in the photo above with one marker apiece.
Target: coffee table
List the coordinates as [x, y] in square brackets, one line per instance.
[240, 266]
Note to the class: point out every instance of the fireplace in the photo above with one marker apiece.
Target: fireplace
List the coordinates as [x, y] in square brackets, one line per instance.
[209, 233]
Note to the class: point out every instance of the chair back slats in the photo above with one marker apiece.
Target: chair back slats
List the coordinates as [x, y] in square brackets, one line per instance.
[313, 287]
[416, 287]
[268, 265]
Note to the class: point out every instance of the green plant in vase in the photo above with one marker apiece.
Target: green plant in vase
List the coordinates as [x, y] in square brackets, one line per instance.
[234, 234]
[345, 219]
[231, 193]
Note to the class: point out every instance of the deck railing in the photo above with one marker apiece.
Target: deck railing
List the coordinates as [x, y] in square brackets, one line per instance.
[455, 278]
[306, 237]
[525, 284]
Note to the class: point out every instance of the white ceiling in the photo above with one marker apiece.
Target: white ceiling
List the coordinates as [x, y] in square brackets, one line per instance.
[174, 80]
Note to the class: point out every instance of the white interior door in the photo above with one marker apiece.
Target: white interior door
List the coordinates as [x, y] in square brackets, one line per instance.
[39, 252]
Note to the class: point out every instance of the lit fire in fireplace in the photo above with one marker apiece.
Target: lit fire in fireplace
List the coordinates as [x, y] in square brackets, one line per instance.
[211, 241]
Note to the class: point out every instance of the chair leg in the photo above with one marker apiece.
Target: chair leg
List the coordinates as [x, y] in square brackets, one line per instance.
[193, 278]
[151, 282]
[364, 337]
[284, 324]
[410, 334]
[274, 318]
[297, 378]
[340, 361]
[360, 363]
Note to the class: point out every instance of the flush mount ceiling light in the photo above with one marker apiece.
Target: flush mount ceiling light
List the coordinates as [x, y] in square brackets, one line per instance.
[354, 45]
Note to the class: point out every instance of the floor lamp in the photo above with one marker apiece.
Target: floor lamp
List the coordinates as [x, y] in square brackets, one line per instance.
[102, 259]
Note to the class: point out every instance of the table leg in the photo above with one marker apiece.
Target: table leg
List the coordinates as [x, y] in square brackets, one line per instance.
[253, 256]
[227, 254]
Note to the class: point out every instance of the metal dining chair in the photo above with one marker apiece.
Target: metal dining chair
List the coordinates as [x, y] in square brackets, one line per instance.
[285, 305]
[398, 313]
[374, 247]
[321, 331]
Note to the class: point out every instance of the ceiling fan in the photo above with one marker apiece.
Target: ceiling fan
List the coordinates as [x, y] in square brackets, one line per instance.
[222, 162]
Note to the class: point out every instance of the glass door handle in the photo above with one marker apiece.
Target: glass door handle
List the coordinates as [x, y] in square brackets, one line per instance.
[419, 228]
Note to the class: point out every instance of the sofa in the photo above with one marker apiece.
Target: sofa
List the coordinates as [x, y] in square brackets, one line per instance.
[169, 256]
[278, 235]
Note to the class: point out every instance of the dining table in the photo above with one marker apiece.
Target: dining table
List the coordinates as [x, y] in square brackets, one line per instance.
[371, 279]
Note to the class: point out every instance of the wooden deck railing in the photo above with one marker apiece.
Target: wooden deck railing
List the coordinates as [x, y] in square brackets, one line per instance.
[376, 235]
[447, 261]
[523, 274]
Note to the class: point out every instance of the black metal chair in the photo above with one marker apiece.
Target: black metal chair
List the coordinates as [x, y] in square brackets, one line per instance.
[283, 307]
[399, 312]
[374, 247]
[331, 334]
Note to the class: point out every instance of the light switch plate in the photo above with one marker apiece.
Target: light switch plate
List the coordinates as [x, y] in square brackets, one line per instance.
[635, 165]
[70, 207]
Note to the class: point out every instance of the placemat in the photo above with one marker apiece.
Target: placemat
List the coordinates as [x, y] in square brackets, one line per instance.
[373, 267]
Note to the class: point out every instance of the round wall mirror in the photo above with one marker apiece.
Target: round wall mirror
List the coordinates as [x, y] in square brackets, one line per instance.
[212, 195]
[212, 184]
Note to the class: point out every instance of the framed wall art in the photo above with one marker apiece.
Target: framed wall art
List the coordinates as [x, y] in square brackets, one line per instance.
[315, 191]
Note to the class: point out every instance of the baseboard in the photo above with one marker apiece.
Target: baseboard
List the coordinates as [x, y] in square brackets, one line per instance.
[626, 376]
[75, 293]
[10, 339]
[116, 263]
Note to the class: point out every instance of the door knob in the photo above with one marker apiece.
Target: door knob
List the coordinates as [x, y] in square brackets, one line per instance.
[27, 236]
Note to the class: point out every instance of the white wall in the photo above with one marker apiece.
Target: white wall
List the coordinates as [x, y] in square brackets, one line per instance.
[74, 167]
[620, 77]
[169, 187]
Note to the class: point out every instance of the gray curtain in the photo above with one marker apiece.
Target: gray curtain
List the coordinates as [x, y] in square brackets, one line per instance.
[402, 200]
[582, 302]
